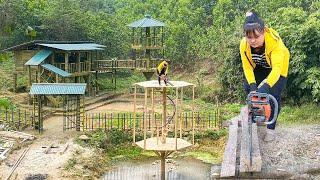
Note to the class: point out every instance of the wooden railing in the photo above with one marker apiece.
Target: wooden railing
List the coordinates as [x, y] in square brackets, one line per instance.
[75, 67]
[153, 41]
[126, 64]
[124, 121]
[17, 118]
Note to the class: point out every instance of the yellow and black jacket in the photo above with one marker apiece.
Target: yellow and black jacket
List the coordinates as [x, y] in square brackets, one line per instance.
[277, 56]
[161, 70]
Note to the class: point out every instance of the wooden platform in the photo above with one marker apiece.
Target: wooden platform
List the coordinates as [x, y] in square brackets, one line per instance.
[155, 84]
[238, 148]
[153, 144]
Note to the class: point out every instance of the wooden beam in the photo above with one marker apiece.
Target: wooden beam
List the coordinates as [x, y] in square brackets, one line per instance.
[245, 149]
[228, 167]
[249, 162]
[256, 156]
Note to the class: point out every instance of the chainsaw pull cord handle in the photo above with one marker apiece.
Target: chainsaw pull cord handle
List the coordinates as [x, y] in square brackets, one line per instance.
[275, 110]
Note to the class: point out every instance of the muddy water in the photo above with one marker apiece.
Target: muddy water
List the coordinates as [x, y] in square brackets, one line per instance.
[177, 169]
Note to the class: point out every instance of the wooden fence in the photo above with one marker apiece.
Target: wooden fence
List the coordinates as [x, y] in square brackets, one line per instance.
[17, 118]
[124, 121]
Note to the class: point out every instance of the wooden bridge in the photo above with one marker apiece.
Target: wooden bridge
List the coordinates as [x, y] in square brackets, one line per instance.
[115, 64]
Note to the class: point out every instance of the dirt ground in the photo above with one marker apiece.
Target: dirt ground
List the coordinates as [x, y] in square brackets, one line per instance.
[36, 162]
[295, 152]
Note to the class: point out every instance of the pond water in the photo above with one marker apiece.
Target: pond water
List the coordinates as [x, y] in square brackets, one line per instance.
[177, 169]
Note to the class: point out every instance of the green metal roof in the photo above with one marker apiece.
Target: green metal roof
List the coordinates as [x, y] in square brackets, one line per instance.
[58, 88]
[75, 47]
[146, 22]
[56, 70]
[38, 58]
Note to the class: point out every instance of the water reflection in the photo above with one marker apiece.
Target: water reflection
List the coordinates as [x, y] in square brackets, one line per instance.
[177, 169]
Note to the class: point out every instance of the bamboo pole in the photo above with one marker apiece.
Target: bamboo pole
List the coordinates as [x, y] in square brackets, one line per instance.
[134, 113]
[152, 118]
[164, 115]
[181, 104]
[145, 117]
[17, 163]
[193, 123]
[176, 118]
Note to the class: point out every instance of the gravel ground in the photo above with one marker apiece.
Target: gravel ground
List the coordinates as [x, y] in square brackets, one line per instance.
[295, 152]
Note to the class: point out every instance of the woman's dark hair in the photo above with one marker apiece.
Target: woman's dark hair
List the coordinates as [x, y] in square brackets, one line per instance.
[253, 22]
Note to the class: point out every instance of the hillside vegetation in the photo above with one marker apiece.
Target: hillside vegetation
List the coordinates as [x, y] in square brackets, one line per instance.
[202, 36]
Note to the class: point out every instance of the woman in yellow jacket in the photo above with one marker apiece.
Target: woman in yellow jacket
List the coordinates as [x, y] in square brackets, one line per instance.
[265, 61]
[162, 72]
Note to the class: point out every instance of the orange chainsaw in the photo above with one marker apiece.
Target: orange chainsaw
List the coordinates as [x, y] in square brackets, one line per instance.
[259, 108]
[259, 112]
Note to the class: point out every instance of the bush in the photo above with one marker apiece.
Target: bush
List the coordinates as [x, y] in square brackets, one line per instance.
[6, 103]
[210, 134]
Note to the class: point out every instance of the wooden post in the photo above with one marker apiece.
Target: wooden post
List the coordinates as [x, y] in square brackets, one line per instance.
[193, 123]
[39, 113]
[52, 59]
[163, 165]
[57, 78]
[145, 116]
[66, 61]
[78, 62]
[78, 114]
[176, 118]
[164, 115]
[15, 82]
[29, 72]
[134, 113]
[91, 62]
[39, 74]
[152, 102]
[180, 112]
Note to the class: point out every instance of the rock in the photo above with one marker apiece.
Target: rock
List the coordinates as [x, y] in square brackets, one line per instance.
[283, 170]
[84, 137]
[170, 161]
[301, 176]
[215, 175]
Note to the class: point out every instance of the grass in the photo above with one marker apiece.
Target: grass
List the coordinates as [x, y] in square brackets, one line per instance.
[125, 80]
[6, 67]
[295, 115]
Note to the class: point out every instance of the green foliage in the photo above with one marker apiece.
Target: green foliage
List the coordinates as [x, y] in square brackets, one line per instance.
[196, 32]
[313, 82]
[210, 134]
[109, 140]
[125, 80]
[5, 103]
[70, 164]
[304, 114]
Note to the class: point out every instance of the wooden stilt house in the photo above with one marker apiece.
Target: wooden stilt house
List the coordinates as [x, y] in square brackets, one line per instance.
[57, 62]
